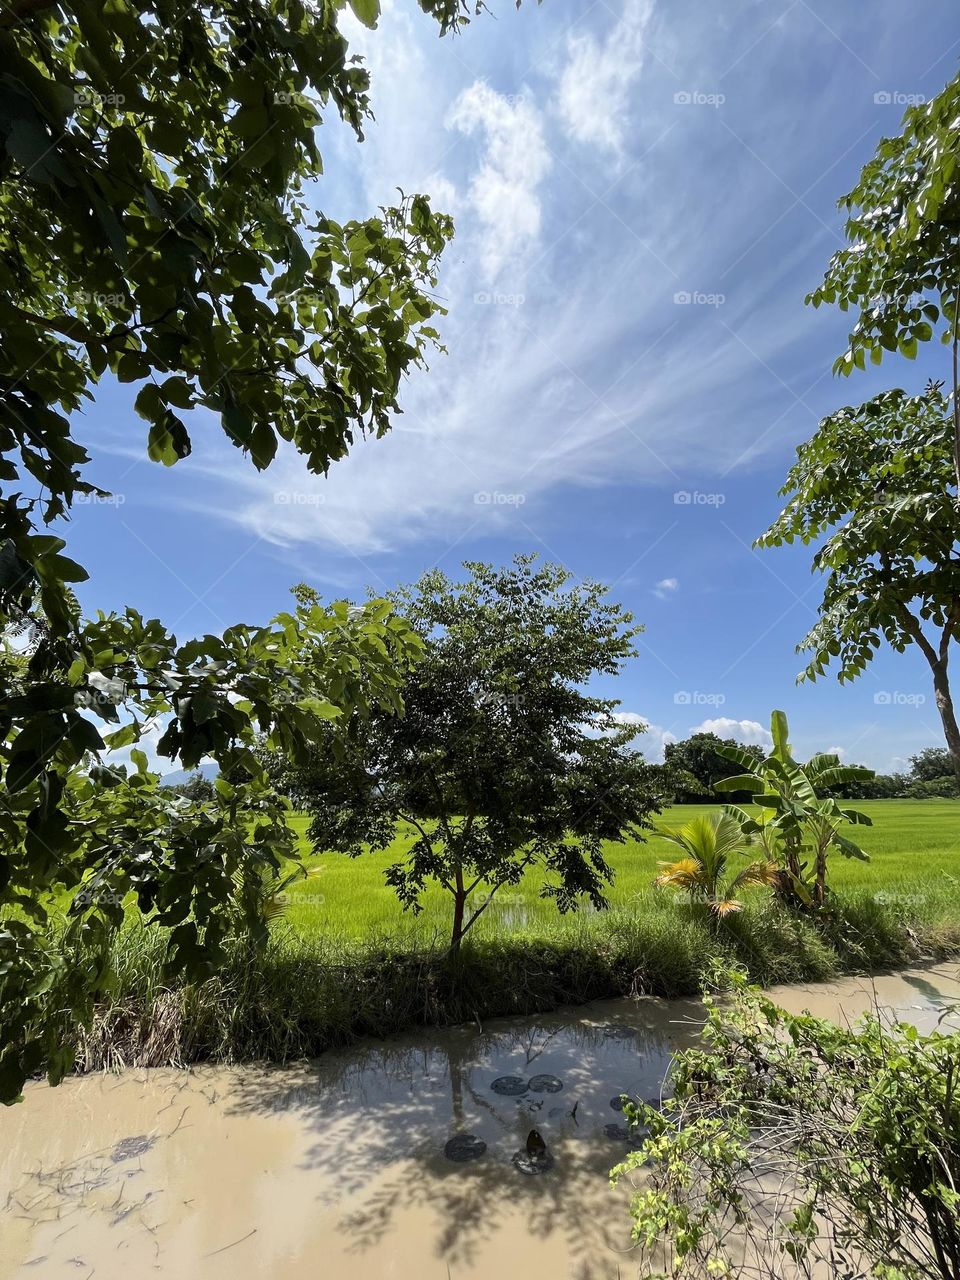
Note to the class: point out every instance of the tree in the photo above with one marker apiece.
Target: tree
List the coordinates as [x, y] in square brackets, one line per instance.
[156, 227]
[82, 839]
[930, 764]
[802, 1147]
[501, 762]
[901, 272]
[794, 822]
[699, 758]
[878, 481]
[707, 843]
[196, 787]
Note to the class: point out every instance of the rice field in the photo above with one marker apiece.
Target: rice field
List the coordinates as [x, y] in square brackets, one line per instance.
[914, 848]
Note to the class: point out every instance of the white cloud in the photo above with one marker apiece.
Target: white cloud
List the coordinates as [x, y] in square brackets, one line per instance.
[654, 737]
[593, 91]
[596, 376]
[504, 192]
[839, 752]
[666, 587]
[749, 731]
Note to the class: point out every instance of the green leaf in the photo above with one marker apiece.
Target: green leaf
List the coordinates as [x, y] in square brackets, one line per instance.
[368, 11]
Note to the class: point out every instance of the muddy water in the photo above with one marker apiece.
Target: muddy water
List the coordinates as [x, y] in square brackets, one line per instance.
[338, 1168]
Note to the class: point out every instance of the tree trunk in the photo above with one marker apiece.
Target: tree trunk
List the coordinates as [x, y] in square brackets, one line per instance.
[951, 731]
[820, 887]
[459, 906]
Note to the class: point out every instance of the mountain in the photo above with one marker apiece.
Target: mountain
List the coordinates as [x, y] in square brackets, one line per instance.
[208, 768]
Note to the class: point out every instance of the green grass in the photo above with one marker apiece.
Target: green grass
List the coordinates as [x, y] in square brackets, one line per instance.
[914, 849]
[344, 961]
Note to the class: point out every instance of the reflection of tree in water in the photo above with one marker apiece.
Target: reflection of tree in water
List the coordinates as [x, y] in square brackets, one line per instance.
[934, 995]
[397, 1104]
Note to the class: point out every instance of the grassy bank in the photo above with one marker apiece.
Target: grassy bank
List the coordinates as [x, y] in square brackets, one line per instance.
[344, 961]
[307, 994]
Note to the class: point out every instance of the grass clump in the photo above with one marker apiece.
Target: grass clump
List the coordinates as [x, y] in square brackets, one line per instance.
[305, 994]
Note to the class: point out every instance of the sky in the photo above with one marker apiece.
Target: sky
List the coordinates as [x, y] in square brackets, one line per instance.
[644, 193]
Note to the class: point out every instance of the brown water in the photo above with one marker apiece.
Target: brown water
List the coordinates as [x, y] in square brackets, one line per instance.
[337, 1168]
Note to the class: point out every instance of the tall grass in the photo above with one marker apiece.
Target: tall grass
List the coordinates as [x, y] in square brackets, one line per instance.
[308, 993]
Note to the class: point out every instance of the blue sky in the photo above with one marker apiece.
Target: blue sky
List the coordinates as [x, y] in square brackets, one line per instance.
[643, 193]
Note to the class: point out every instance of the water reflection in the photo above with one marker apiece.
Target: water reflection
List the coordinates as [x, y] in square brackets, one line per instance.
[339, 1167]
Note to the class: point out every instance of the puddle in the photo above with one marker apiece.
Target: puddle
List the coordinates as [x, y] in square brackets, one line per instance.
[396, 1159]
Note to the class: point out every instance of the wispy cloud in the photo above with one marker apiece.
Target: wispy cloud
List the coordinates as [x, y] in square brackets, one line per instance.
[504, 192]
[595, 82]
[666, 587]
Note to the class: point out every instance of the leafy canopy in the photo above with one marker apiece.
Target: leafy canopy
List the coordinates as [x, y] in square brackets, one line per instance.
[878, 481]
[155, 224]
[159, 176]
[899, 272]
[501, 761]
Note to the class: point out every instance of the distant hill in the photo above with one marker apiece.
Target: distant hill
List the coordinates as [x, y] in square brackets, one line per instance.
[208, 768]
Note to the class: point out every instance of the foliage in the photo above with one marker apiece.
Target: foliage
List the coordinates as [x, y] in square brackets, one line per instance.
[71, 823]
[878, 481]
[885, 475]
[943, 788]
[154, 226]
[794, 821]
[159, 226]
[899, 272]
[707, 843]
[792, 1140]
[699, 765]
[501, 762]
[196, 787]
[309, 991]
[929, 764]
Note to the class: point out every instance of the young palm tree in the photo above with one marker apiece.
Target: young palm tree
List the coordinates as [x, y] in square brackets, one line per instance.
[707, 843]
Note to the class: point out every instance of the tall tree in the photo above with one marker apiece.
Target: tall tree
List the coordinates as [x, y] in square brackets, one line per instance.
[878, 480]
[158, 176]
[699, 758]
[901, 271]
[501, 761]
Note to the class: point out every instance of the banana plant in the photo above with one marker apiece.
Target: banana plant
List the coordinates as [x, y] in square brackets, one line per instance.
[795, 827]
[707, 843]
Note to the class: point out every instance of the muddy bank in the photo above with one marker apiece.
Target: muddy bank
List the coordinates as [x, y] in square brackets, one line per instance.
[344, 1167]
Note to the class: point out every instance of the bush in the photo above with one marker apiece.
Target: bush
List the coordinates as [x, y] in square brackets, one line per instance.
[792, 1138]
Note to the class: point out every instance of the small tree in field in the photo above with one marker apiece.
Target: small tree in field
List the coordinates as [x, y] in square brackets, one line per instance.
[501, 761]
